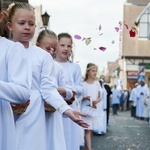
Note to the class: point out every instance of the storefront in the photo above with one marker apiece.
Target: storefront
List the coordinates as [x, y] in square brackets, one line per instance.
[132, 77]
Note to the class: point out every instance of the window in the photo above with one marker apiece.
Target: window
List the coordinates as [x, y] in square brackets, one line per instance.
[143, 23]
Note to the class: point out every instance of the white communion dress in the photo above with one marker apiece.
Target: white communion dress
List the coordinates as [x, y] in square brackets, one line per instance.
[31, 125]
[14, 88]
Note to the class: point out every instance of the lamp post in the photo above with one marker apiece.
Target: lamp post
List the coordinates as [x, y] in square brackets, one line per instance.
[45, 19]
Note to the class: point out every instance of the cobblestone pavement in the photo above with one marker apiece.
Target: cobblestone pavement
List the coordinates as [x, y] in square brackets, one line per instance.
[124, 133]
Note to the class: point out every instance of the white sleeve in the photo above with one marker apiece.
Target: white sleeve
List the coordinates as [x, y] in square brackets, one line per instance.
[78, 81]
[16, 87]
[64, 83]
[48, 88]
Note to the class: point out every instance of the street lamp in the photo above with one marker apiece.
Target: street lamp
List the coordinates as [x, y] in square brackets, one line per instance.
[45, 19]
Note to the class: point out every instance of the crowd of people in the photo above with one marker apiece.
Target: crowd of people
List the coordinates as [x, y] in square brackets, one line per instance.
[44, 102]
[137, 100]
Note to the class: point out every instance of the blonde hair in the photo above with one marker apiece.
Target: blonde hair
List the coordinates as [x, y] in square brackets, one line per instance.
[17, 6]
[88, 68]
[46, 33]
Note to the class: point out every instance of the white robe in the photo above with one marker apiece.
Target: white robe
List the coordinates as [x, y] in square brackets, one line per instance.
[133, 96]
[13, 88]
[140, 105]
[73, 72]
[31, 125]
[91, 90]
[102, 113]
[54, 122]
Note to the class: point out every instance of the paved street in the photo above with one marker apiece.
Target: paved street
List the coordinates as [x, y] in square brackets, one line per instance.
[124, 133]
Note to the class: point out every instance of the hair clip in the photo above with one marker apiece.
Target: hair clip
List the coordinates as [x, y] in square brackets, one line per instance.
[10, 6]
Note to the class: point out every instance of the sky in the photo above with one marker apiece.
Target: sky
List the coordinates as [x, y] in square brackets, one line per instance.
[94, 19]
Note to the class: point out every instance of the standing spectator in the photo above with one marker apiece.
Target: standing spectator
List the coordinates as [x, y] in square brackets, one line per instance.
[125, 99]
[121, 100]
[115, 99]
[132, 99]
[109, 92]
[146, 112]
[141, 94]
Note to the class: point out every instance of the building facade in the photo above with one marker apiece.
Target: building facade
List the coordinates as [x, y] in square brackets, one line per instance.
[135, 53]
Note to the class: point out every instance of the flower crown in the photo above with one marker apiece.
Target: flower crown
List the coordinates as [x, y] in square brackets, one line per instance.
[91, 67]
[10, 6]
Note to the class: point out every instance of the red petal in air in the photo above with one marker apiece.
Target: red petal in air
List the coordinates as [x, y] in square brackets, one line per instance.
[127, 27]
[132, 33]
[102, 48]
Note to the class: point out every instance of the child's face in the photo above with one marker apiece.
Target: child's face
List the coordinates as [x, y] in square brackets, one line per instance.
[64, 48]
[23, 25]
[48, 44]
[92, 73]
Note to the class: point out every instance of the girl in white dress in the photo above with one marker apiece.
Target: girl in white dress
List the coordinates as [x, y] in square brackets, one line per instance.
[73, 73]
[14, 85]
[47, 40]
[92, 98]
[31, 126]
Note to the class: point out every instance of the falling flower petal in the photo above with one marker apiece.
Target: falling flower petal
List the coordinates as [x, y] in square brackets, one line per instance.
[120, 23]
[100, 27]
[132, 33]
[127, 27]
[78, 37]
[95, 48]
[100, 34]
[117, 29]
[83, 39]
[113, 42]
[102, 48]
[88, 41]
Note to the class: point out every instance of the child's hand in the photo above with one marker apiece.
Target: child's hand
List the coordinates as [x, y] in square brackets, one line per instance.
[94, 102]
[75, 116]
[94, 106]
[87, 97]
